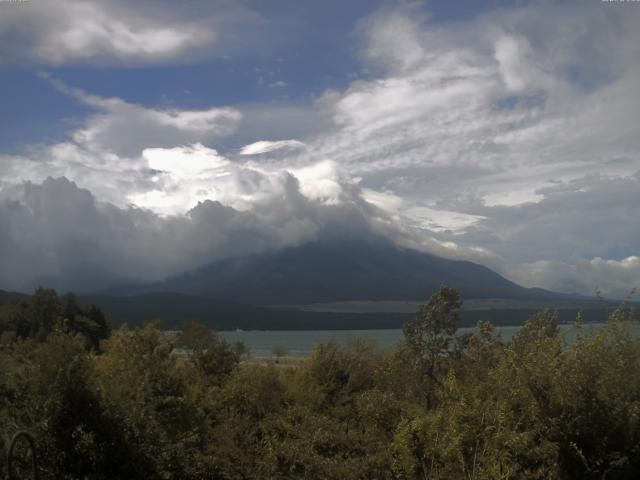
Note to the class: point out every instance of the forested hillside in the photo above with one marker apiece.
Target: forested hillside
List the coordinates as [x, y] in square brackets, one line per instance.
[368, 269]
[124, 405]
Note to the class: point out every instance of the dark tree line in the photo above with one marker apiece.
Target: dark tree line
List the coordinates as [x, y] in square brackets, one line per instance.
[38, 315]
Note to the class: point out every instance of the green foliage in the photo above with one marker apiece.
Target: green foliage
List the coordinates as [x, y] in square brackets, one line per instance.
[45, 311]
[46, 388]
[428, 340]
[438, 406]
[436, 322]
[213, 356]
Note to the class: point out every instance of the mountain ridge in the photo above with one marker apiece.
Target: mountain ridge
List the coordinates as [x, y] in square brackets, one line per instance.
[302, 288]
[344, 271]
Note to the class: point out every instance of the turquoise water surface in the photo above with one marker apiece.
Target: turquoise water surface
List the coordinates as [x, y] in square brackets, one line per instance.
[301, 342]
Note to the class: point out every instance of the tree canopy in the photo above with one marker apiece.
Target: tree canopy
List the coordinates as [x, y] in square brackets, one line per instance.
[438, 406]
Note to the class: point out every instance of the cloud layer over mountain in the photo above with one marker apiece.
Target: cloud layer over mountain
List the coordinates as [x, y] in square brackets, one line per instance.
[57, 234]
[510, 139]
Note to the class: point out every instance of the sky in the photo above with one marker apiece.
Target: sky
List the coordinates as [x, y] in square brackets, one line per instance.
[143, 139]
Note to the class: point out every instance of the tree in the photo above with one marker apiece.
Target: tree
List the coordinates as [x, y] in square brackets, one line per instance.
[212, 355]
[45, 312]
[429, 338]
[46, 388]
[141, 386]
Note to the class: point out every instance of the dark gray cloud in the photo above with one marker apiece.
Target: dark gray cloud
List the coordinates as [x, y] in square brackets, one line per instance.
[58, 234]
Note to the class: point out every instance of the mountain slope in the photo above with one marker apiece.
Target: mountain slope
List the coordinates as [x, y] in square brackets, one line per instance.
[329, 272]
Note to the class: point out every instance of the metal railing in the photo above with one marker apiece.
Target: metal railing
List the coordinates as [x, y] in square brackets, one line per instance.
[22, 462]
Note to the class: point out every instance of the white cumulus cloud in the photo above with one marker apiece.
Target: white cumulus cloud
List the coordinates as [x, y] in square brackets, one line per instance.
[266, 146]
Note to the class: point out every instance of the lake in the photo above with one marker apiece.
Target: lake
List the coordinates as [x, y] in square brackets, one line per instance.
[301, 342]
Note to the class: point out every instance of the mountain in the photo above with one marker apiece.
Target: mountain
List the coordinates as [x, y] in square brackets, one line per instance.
[340, 271]
[301, 288]
[9, 297]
